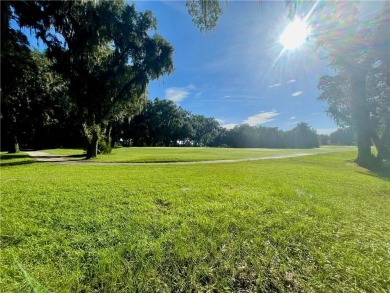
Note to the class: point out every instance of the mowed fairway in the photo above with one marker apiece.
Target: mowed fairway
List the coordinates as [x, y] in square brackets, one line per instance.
[307, 224]
[192, 154]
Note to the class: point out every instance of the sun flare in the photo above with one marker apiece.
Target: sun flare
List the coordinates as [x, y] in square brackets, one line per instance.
[295, 34]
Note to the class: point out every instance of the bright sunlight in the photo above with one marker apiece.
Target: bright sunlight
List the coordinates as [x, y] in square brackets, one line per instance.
[295, 34]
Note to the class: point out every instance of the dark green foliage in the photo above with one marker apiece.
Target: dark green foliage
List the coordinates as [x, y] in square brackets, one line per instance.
[106, 53]
[245, 136]
[204, 13]
[161, 123]
[302, 136]
[323, 139]
[50, 114]
[342, 136]
[335, 91]
[16, 66]
[205, 130]
[40, 110]
[105, 147]
[35, 110]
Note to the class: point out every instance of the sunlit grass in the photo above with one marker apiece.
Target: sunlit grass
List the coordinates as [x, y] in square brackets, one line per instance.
[185, 154]
[67, 152]
[311, 224]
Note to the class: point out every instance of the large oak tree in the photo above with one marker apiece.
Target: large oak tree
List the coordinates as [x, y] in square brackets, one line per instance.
[359, 94]
[106, 50]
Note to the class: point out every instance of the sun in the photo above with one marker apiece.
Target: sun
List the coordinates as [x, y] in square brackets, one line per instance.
[295, 34]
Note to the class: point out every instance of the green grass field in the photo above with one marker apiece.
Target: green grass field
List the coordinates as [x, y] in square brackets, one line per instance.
[191, 154]
[307, 224]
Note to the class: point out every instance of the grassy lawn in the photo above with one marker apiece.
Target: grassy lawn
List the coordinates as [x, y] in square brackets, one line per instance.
[66, 152]
[308, 224]
[179, 154]
[14, 159]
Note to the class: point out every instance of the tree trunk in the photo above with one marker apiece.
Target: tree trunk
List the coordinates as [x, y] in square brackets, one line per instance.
[364, 157]
[14, 145]
[108, 138]
[92, 147]
[91, 132]
[361, 117]
[383, 146]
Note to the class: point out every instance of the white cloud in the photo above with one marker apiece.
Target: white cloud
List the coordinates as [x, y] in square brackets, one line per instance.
[178, 94]
[191, 87]
[325, 130]
[274, 85]
[223, 124]
[293, 118]
[296, 94]
[229, 126]
[261, 118]
[291, 81]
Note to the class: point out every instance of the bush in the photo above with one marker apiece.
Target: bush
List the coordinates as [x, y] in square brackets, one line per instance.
[105, 147]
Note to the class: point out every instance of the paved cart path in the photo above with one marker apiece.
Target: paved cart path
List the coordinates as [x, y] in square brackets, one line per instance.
[71, 160]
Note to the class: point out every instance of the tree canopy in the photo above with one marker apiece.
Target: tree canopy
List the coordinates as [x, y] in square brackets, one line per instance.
[105, 51]
[16, 66]
[205, 13]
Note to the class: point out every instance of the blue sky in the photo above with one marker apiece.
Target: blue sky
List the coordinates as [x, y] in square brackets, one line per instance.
[235, 73]
[238, 73]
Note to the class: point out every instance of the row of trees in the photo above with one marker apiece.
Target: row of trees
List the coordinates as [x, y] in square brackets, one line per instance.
[163, 123]
[46, 119]
[36, 110]
[342, 136]
[301, 136]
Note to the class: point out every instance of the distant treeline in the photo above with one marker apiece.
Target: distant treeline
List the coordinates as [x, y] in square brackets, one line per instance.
[48, 123]
[163, 123]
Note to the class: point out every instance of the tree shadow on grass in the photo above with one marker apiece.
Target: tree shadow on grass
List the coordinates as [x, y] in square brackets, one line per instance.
[382, 171]
[15, 160]
[78, 156]
[16, 163]
[7, 160]
[6, 157]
